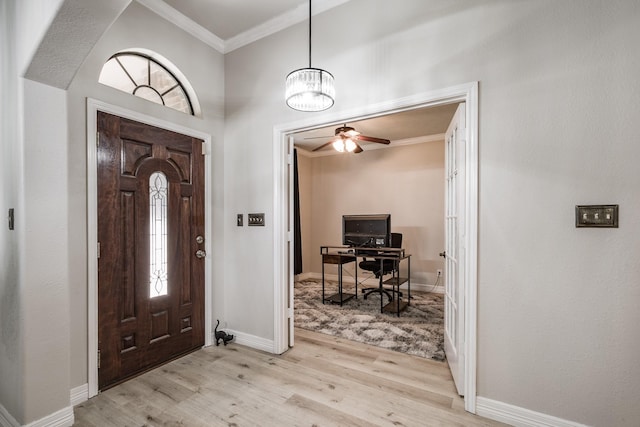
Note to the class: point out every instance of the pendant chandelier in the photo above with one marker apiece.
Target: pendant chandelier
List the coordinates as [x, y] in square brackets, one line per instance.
[310, 89]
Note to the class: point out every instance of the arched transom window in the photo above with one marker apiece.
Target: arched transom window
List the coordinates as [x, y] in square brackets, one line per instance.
[144, 76]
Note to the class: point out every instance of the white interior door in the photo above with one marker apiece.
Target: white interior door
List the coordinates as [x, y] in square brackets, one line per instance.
[290, 247]
[454, 242]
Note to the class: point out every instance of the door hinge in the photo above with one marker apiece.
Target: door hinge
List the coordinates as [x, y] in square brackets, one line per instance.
[289, 159]
[290, 312]
[204, 148]
[97, 139]
[98, 249]
[98, 358]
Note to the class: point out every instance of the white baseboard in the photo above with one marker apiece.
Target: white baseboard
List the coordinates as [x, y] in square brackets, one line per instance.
[6, 420]
[62, 418]
[79, 394]
[250, 341]
[517, 416]
[372, 282]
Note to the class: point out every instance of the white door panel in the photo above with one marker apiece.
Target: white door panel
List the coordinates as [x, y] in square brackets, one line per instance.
[454, 238]
[291, 239]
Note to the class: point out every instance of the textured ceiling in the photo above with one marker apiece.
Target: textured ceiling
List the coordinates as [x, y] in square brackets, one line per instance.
[75, 29]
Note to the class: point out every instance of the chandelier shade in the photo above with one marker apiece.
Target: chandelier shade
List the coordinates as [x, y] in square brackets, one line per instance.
[310, 89]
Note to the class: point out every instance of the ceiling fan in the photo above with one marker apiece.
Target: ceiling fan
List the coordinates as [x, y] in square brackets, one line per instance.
[346, 139]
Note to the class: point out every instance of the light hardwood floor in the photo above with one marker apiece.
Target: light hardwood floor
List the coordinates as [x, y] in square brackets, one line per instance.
[322, 381]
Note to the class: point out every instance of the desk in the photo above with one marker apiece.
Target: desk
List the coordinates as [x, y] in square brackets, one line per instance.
[341, 255]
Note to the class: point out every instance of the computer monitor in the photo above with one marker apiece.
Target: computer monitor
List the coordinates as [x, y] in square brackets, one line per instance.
[366, 230]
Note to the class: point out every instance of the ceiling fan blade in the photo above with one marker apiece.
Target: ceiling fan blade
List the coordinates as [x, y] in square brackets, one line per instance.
[372, 139]
[319, 137]
[358, 149]
[322, 146]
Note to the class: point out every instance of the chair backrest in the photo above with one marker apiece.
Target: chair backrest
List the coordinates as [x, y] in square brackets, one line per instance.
[388, 265]
[396, 240]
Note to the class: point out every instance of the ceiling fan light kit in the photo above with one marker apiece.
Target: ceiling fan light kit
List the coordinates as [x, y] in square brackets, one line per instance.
[310, 89]
[342, 145]
[349, 145]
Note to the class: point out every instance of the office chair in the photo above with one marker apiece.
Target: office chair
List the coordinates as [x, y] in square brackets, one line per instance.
[388, 266]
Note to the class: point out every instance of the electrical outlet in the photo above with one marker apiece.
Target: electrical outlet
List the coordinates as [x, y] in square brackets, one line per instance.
[439, 273]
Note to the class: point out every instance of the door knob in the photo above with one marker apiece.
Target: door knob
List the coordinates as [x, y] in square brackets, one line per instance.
[200, 253]
[443, 254]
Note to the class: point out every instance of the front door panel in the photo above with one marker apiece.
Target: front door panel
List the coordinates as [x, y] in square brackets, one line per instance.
[150, 211]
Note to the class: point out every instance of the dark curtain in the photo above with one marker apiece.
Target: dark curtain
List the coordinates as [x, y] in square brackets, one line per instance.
[297, 243]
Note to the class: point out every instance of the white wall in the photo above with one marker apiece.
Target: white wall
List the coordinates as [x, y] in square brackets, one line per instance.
[405, 181]
[10, 195]
[33, 293]
[34, 345]
[138, 27]
[44, 262]
[558, 98]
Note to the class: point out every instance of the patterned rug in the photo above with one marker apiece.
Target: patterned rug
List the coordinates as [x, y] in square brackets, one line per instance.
[418, 331]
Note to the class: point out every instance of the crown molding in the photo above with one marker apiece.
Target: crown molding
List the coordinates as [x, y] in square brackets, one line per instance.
[279, 23]
[182, 21]
[419, 139]
[272, 26]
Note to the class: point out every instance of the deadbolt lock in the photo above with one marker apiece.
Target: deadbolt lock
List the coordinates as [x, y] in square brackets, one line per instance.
[199, 240]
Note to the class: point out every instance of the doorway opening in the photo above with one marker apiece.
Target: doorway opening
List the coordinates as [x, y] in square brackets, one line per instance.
[283, 237]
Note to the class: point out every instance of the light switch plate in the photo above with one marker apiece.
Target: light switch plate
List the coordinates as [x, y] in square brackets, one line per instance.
[597, 216]
[255, 219]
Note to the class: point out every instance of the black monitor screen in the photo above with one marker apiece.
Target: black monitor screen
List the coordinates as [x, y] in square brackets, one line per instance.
[366, 230]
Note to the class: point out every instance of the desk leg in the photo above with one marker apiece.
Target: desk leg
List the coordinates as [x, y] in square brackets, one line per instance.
[340, 281]
[323, 282]
[380, 285]
[356, 275]
[398, 283]
[409, 281]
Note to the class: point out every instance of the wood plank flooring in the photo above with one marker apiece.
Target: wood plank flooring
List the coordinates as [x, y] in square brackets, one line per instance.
[322, 381]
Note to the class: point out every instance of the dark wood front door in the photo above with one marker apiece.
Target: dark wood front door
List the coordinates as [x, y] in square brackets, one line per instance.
[150, 219]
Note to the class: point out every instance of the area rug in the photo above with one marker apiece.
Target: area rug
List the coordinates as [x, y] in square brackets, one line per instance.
[418, 331]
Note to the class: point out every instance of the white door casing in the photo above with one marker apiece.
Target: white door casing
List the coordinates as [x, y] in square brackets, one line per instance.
[283, 274]
[454, 333]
